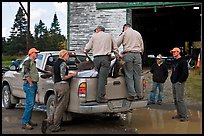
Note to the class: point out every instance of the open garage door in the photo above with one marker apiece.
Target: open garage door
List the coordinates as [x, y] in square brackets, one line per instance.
[164, 28]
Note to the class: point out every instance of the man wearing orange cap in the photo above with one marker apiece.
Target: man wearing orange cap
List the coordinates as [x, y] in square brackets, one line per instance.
[178, 77]
[30, 76]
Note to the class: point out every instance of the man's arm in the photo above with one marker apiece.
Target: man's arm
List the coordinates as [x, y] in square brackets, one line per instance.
[119, 41]
[88, 46]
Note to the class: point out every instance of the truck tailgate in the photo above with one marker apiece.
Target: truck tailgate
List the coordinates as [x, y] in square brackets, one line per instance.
[115, 88]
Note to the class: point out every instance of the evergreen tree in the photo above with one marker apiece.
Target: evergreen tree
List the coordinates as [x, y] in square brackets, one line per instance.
[17, 39]
[40, 29]
[20, 24]
[55, 26]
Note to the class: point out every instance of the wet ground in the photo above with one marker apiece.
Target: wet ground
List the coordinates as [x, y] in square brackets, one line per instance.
[153, 119]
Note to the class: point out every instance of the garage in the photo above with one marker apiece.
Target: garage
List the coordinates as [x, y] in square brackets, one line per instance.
[168, 27]
[165, 25]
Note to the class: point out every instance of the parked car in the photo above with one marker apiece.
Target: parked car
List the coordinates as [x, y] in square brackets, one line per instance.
[3, 70]
[83, 89]
[16, 63]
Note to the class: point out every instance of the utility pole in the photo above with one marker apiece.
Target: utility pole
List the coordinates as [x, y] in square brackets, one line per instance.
[28, 30]
[68, 26]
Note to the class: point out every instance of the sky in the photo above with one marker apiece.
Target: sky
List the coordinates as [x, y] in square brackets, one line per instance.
[38, 11]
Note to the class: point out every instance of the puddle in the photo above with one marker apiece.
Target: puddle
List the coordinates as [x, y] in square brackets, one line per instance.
[154, 121]
[139, 121]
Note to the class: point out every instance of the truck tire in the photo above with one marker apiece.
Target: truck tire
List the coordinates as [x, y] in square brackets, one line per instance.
[6, 98]
[50, 105]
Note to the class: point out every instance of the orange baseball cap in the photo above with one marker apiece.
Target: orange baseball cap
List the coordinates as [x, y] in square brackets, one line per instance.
[175, 49]
[33, 50]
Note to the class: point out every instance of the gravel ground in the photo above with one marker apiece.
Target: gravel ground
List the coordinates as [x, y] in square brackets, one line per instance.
[168, 96]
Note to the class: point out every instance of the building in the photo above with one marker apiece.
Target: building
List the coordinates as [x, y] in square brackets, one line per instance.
[163, 25]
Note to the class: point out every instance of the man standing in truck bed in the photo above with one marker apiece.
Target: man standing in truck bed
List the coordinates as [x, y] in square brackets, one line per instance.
[102, 44]
[133, 48]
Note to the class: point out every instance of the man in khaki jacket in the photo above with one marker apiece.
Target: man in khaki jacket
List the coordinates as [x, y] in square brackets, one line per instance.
[133, 47]
[102, 44]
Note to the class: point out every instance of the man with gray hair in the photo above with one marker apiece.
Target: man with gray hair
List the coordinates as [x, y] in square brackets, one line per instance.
[133, 48]
[102, 44]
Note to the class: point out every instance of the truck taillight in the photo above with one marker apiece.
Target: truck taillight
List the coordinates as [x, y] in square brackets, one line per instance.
[82, 89]
[144, 85]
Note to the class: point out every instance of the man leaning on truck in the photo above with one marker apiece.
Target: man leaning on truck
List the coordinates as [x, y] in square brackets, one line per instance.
[61, 88]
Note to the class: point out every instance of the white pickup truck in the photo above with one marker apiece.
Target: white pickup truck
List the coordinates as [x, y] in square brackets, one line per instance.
[83, 89]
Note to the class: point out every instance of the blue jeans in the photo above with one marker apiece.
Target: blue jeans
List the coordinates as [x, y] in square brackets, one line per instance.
[160, 86]
[30, 101]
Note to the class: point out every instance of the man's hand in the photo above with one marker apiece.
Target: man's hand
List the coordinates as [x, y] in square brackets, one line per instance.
[75, 73]
[38, 96]
[85, 51]
[122, 56]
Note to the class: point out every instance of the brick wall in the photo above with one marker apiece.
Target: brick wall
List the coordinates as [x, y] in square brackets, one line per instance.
[84, 18]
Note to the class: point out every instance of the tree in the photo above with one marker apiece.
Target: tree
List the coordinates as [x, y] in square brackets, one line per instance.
[20, 24]
[40, 29]
[55, 26]
[17, 39]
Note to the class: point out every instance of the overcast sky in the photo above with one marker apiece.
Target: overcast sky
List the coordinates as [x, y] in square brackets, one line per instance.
[38, 10]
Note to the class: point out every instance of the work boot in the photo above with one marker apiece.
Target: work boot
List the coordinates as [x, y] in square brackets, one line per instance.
[176, 117]
[183, 119]
[140, 97]
[159, 102]
[130, 98]
[26, 126]
[44, 126]
[32, 124]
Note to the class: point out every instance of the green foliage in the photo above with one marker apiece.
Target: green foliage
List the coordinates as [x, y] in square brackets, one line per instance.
[55, 27]
[194, 85]
[42, 40]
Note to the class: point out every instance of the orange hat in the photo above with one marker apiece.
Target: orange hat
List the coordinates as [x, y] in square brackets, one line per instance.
[175, 49]
[32, 50]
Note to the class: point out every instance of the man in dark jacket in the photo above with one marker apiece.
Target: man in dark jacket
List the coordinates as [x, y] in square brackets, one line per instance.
[62, 90]
[160, 74]
[178, 77]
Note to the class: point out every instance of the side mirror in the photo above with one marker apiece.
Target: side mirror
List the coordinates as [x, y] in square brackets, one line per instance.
[13, 68]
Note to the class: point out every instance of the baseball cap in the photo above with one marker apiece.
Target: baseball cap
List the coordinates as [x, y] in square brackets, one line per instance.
[159, 56]
[99, 27]
[175, 49]
[33, 50]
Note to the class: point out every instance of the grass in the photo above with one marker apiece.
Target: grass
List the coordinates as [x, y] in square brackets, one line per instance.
[6, 63]
[194, 85]
[6, 60]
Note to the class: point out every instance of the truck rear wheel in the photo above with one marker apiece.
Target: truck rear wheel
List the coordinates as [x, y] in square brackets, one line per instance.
[50, 105]
[6, 97]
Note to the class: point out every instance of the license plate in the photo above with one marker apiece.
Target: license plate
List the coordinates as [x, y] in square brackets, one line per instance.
[117, 104]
